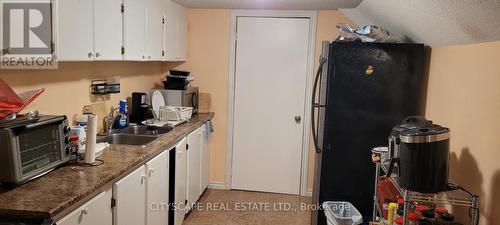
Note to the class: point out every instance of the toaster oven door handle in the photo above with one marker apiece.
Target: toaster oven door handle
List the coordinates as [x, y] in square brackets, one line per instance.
[45, 122]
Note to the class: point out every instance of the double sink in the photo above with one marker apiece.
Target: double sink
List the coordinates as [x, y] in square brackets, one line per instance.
[135, 135]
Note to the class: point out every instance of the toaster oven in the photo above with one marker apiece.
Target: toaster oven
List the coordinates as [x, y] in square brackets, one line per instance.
[32, 149]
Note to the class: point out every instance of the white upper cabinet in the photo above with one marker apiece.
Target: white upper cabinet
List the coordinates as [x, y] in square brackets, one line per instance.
[155, 11]
[108, 29]
[135, 30]
[88, 30]
[75, 30]
[114, 30]
[182, 39]
[175, 45]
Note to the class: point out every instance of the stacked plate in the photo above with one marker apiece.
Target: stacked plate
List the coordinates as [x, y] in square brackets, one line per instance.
[177, 80]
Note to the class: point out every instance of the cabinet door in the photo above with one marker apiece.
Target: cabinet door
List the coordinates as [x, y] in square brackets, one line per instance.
[170, 30]
[75, 30]
[205, 157]
[96, 211]
[130, 196]
[182, 38]
[193, 166]
[134, 30]
[180, 181]
[155, 31]
[157, 190]
[108, 29]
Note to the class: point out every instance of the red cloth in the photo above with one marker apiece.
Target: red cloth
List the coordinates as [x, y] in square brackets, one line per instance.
[10, 102]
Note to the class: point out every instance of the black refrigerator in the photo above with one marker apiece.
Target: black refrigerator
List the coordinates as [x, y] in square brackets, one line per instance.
[361, 91]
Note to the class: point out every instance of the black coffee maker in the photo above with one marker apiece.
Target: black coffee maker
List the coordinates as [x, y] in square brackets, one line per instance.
[140, 108]
[421, 151]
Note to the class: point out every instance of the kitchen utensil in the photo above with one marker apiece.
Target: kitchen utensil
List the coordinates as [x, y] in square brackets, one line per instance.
[177, 85]
[157, 100]
[205, 101]
[179, 73]
[173, 113]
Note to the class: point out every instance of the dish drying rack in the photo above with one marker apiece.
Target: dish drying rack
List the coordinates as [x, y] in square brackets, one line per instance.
[457, 196]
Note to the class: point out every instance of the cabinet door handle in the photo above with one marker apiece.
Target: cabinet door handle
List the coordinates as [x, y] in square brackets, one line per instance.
[85, 211]
[143, 179]
[97, 54]
[151, 171]
[90, 54]
[149, 57]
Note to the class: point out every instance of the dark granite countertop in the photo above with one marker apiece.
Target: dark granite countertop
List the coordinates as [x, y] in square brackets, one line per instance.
[68, 187]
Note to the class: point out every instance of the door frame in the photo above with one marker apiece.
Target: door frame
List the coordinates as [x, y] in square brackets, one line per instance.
[312, 16]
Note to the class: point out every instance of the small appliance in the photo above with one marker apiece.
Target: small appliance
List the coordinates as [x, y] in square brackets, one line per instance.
[139, 108]
[423, 157]
[182, 98]
[32, 149]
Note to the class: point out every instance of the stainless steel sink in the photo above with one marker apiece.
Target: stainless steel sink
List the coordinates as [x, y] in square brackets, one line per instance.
[144, 130]
[127, 139]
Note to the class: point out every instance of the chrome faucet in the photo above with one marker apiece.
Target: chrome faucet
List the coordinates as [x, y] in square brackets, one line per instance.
[110, 119]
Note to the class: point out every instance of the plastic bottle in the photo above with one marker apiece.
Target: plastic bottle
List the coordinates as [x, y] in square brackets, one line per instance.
[123, 116]
[392, 209]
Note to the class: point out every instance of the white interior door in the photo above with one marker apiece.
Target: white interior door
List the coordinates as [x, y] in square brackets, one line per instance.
[270, 89]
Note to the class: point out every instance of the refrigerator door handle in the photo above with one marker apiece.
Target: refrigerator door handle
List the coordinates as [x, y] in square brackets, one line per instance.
[316, 105]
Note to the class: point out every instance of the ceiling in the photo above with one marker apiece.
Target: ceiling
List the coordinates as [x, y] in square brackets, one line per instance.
[433, 22]
[270, 4]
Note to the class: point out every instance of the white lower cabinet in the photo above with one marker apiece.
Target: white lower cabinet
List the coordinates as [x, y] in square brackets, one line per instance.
[157, 190]
[95, 211]
[130, 197]
[194, 165]
[180, 183]
[142, 196]
[205, 156]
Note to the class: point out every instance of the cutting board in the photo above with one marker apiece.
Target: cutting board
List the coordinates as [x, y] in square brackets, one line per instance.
[99, 109]
[204, 103]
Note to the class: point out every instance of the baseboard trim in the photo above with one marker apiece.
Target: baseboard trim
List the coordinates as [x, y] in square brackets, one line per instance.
[217, 185]
[308, 193]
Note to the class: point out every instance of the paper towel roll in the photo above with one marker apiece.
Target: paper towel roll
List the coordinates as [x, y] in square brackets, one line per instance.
[90, 146]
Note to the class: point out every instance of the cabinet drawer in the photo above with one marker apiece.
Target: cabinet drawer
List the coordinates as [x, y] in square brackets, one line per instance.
[95, 211]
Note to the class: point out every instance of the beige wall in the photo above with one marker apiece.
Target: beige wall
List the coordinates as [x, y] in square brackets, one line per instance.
[209, 60]
[67, 89]
[464, 95]
[208, 32]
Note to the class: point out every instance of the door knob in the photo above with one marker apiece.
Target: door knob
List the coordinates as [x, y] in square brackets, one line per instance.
[298, 119]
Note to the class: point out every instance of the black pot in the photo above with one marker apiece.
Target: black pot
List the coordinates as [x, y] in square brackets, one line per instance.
[423, 160]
